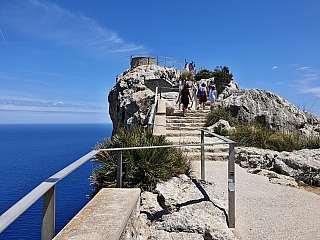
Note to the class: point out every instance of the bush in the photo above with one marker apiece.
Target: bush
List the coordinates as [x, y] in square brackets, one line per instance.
[142, 168]
[221, 75]
[187, 76]
[203, 74]
[254, 135]
[309, 177]
[220, 113]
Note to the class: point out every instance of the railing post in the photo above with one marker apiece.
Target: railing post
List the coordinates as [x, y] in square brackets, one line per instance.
[48, 215]
[203, 167]
[231, 186]
[119, 170]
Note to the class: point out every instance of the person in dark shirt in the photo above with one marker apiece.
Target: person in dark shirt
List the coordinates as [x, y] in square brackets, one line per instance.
[185, 95]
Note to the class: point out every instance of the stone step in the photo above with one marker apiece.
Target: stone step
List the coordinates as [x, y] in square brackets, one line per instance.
[174, 132]
[185, 119]
[185, 131]
[193, 113]
[186, 124]
[192, 139]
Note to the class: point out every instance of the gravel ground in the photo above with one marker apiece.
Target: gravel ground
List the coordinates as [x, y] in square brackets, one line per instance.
[265, 210]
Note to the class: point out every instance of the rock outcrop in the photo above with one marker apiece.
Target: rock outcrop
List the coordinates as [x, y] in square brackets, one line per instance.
[302, 164]
[268, 109]
[182, 209]
[130, 100]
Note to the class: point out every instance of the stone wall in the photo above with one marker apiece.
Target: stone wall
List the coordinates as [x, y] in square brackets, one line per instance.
[139, 61]
[111, 214]
[165, 85]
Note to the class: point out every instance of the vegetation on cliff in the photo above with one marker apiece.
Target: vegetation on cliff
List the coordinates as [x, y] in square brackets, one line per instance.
[142, 168]
[221, 75]
[253, 134]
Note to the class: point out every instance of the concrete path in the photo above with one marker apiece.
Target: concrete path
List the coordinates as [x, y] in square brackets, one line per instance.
[265, 210]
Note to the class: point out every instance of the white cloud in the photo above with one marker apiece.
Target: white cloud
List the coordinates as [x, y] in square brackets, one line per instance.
[16, 104]
[313, 90]
[45, 20]
[304, 68]
[275, 67]
[308, 80]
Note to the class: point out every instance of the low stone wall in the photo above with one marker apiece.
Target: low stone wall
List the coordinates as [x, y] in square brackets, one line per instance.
[161, 83]
[112, 214]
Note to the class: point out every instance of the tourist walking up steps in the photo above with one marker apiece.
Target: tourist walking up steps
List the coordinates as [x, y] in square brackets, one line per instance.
[203, 95]
[194, 90]
[184, 95]
[212, 96]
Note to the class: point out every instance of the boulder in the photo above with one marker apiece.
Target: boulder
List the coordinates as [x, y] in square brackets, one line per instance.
[222, 124]
[268, 109]
[182, 209]
[300, 164]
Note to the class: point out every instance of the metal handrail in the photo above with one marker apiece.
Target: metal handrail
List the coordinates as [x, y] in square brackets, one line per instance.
[162, 60]
[47, 187]
[153, 108]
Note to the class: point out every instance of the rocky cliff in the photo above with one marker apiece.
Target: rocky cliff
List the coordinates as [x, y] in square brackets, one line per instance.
[130, 100]
[268, 109]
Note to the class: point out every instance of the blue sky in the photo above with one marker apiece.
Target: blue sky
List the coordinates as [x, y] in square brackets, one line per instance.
[59, 59]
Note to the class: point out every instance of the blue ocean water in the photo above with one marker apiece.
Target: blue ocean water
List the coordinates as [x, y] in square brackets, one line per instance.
[29, 154]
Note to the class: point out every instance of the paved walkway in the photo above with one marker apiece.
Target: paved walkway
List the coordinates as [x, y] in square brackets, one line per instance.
[265, 210]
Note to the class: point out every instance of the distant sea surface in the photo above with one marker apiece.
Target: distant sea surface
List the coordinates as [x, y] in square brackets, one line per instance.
[29, 154]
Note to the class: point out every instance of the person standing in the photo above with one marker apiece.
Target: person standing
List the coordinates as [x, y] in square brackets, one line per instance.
[173, 78]
[203, 95]
[186, 66]
[212, 96]
[194, 89]
[185, 95]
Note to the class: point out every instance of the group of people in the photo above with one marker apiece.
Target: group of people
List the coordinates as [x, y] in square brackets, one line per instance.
[190, 67]
[199, 94]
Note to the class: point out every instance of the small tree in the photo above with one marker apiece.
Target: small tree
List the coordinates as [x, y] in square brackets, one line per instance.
[222, 76]
[203, 74]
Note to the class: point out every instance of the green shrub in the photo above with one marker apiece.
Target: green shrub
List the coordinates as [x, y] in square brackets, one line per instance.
[308, 177]
[142, 168]
[249, 135]
[254, 135]
[283, 141]
[312, 142]
[221, 75]
[220, 113]
[219, 130]
[203, 74]
[187, 76]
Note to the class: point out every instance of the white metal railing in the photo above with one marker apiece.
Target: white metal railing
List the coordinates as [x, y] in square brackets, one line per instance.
[153, 108]
[47, 187]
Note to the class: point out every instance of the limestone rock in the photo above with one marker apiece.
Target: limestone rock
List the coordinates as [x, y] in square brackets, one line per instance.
[268, 109]
[292, 164]
[171, 98]
[223, 124]
[182, 209]
[130, 100]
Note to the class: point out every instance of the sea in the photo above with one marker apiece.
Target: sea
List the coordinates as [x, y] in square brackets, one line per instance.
[31, 153]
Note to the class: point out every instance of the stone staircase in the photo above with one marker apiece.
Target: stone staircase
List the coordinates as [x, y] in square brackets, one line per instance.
[186, 130]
